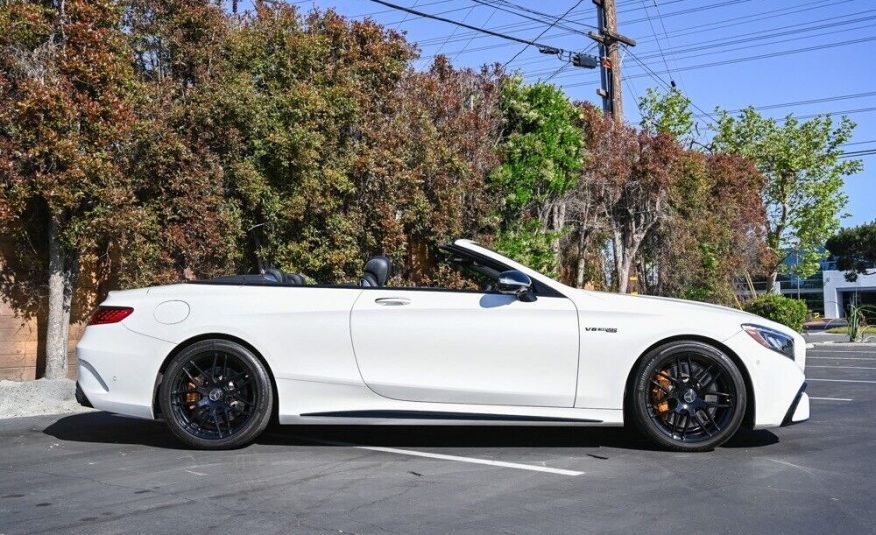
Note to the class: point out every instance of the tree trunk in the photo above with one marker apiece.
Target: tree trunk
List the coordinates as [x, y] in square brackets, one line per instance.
[620, 276]
[582, 259]
[624, 274]
[62, 275]
[771, 281]
[559, 221]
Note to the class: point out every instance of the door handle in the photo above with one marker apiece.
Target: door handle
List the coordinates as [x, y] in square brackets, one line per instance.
[392, 301]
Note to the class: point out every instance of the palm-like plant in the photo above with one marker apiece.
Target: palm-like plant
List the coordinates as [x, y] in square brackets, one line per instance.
[858, 321]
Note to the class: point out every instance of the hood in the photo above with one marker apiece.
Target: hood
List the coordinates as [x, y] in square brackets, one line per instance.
[662, 306]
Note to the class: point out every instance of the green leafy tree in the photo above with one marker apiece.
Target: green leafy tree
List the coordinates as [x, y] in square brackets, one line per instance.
[804, 172]
[65, 117]
[541, 153]
[667, 113]
[855, 250]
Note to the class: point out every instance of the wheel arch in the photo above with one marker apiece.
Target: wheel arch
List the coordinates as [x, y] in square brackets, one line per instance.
[748, 419]
[156, 407]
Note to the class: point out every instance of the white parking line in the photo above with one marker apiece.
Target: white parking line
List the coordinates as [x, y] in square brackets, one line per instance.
[841, 380]
[474, 460]
[841, 358]
[830, 399]
[457, 458]
[844, 367]
[856, 351]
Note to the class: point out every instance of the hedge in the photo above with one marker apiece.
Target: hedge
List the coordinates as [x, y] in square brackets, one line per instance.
[781, 309]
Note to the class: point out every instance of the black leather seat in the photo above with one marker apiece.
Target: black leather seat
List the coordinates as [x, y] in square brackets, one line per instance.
[295, 278]
[377, 271]
[277, 276]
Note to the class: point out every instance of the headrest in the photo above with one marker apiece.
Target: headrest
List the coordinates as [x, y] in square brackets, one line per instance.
[377, 271]
[274, 275]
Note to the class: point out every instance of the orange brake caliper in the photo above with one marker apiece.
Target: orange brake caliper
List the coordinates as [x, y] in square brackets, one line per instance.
[662, 403]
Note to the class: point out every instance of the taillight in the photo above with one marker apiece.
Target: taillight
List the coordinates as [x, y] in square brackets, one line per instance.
[104, 315]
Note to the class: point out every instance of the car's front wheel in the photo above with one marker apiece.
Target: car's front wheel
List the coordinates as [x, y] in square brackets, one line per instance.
[216, 394]
[688, 396]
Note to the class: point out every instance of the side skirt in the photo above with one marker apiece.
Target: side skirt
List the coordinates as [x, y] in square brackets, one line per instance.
[437, 415]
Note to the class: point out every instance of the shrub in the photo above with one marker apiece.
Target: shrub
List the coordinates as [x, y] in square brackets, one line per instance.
[784, 310]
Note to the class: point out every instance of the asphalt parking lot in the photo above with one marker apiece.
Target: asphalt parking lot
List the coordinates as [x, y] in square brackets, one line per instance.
[99, 473]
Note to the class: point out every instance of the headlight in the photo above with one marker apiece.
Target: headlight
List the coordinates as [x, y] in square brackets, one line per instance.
[770, 339]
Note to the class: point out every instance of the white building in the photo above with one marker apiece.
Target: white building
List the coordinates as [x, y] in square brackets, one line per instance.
[839, 293]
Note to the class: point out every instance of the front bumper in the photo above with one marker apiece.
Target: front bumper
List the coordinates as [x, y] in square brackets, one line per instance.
[776, 380]
[799, 409]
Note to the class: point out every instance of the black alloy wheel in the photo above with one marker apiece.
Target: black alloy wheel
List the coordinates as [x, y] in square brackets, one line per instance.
[688, 396]
[216, 394]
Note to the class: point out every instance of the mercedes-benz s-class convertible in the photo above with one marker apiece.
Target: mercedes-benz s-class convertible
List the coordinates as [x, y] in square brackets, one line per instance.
[218, 359]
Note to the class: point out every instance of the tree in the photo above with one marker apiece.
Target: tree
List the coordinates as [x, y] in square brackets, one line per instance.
[610, 147]
[65, 116]
[423, 164]
[627, 180]
[191, 225]
[715, 232]
[666, 113]
[541, 153]
[311, 139]
[855, 250]
[803, 195]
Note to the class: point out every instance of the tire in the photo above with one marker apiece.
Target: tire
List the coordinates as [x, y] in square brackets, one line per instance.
[688, 396]
[216, 395]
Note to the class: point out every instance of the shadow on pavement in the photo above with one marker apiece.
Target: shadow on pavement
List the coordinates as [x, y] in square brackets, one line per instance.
[101, 427]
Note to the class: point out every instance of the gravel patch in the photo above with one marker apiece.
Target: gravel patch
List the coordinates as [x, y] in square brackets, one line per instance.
[43, 396]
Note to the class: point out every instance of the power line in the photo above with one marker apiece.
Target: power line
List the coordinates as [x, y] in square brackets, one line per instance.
[522, 50]
[868, 142]
[767, 34]
[455, 28]
[665, 33]
[473, 34]
[657, 39]
[697, 9]
[405, 18]
[809, 101]
[754, 58]
[556, 72]
[446, 11]
[701, 28]
[682, 31]
[382, 11]
[668, 87]
[544, 18]
[840, 112]
[579, 59]
[857, 154]
[463, 25]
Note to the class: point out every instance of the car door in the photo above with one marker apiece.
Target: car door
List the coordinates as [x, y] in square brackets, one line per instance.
[466, 347]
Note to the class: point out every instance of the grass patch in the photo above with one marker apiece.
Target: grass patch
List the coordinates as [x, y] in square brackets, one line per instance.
[870, 329]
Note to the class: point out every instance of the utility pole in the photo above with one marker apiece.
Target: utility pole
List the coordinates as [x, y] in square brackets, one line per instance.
[610, 66]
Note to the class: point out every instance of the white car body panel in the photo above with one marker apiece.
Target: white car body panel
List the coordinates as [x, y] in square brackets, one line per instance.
[466, 347]
[452, 357]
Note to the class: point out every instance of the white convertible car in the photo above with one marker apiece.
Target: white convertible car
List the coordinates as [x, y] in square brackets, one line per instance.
[217, 359]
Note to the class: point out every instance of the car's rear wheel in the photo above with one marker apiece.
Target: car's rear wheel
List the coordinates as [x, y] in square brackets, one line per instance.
[216, 394]
[688, 396]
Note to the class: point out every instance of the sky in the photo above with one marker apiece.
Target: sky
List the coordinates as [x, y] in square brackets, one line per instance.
[779, 54]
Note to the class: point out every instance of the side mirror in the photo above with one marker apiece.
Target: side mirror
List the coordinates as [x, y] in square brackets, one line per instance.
[514, 282]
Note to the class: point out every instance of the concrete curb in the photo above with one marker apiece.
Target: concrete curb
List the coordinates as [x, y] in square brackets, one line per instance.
[36, 398]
